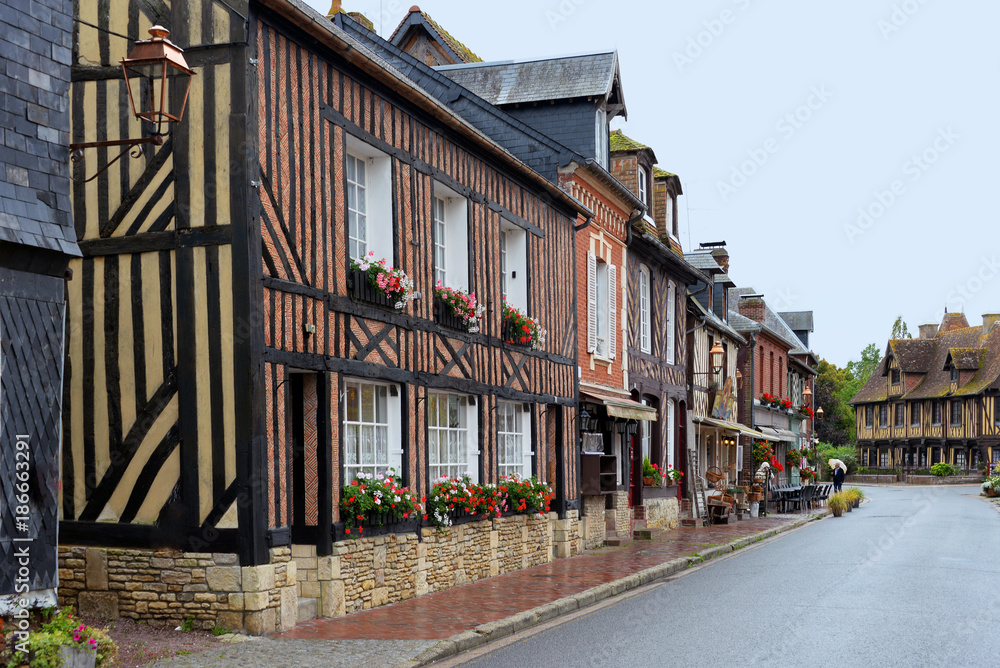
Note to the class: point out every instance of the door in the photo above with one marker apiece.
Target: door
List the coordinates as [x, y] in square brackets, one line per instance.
[635, 470]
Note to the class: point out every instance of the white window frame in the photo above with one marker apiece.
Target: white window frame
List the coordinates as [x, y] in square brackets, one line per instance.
[643, 185]
[451, 238]
[390, 422]
[646, 434]
[463, 458]
[671, 325]
[514, 264]
[602, 306]
[668, 218]
[645, 333]
[514, 453]
[376, 205]
[357, 208]
[601, 138]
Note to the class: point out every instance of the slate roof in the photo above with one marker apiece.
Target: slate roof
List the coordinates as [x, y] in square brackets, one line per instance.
[702, 260]
[798, 320]
[967, 359]
[773, 324]
[913, 355]
[514, 82]
[969, 350]
[418, 18]
[715, 321]
[953, 321]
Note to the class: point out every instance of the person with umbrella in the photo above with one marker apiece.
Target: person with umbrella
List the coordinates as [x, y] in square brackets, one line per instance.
[839, 473]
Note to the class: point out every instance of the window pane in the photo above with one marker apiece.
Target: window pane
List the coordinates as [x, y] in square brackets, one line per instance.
[350, 445]
[368, 403]
[381, 404]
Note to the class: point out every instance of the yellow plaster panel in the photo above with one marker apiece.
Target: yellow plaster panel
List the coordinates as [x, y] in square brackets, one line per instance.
[228, 373]
[87, 49]
[126, 342]
[230, 519]
[101, 455]
[167, 419]
[75, 328]
[220, 20]
[196, 166]
[92, 228]
[202, 383]
[152, 324]
[221, 122]
[161, 489]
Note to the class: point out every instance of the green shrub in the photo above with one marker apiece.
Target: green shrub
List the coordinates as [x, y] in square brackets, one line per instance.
[942, 469]
[845, 453]
[62, 630]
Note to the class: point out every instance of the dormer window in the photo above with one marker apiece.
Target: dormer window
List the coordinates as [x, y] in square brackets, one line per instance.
[895, 376]
[669, 224]
[643, 181]
[954, 374]
[601, 138]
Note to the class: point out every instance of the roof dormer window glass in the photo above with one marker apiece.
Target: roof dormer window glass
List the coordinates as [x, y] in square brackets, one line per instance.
[643, 187]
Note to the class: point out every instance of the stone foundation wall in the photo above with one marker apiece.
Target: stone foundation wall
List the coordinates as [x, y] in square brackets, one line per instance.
[169, 586]
[623, 514]
[368, 572]
[662, 513]
[594, 522]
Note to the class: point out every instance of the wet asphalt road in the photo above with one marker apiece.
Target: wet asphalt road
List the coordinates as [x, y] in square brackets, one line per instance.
[911, 578]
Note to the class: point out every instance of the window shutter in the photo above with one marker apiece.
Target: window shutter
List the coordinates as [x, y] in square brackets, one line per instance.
[671, 304]
[612, 310]
[591, 302]
[527, 447]
[472, 440]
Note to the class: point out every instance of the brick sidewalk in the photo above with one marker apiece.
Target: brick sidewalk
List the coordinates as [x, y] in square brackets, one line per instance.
[443, 623]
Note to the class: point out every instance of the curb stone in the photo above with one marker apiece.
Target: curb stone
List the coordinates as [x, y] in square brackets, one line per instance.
[491, 631]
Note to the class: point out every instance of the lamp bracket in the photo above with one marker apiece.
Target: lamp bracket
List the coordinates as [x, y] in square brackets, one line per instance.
[131, 146]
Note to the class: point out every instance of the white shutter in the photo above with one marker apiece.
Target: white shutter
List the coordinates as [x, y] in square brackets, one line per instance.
[472, 439]
[591, 302]
[394, 406]
[612, 310]
[527, 447]
[671, 325]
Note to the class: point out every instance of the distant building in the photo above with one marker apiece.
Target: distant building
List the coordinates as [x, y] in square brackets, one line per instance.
[934, 399]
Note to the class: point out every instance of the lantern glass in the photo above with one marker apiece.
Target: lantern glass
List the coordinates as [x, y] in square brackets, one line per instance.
[621, 426]
[633, 427]
[158, 79]
[716, 354]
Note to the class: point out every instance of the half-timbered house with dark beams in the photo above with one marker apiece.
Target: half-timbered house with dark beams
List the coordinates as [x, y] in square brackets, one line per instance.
[934, 399]
[658, 277]
[234, 373]
[575, 156]
[37, 241]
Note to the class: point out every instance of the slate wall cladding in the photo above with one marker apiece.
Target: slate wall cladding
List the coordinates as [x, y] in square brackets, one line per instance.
[573, 125]
[35, 45]
[36, 240]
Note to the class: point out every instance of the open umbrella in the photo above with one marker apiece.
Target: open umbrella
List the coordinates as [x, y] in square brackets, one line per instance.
[833, 464]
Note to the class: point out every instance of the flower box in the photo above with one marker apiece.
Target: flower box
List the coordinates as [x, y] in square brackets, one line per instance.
[362, 290]
[457, 309]
[520, 330]
[443, 316]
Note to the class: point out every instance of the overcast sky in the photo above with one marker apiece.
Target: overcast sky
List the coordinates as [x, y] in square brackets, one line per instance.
[846, 151]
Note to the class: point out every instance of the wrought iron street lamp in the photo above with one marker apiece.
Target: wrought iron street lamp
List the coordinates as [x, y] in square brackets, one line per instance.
[158, 80]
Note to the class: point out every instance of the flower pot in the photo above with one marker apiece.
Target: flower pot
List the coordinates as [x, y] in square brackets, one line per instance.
[850, 507]
[648, 481]
[856, 503]
[78, 657]
[754, 509]
[837, 512]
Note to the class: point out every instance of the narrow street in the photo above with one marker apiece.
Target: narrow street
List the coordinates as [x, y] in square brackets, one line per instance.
[908, 579]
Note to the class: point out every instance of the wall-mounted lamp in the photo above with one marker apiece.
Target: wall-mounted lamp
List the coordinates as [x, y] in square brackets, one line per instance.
[819, 413]
[715, 355]
[150, 69]
[806, 395]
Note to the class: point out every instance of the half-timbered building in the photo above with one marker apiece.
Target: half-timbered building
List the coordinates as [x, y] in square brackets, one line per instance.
[235, 369]
[657, 347]
[37, 241]
[934, 399]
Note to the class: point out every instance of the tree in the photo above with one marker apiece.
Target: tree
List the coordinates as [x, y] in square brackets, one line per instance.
[861, 370]
[900, 330]
[832, 394]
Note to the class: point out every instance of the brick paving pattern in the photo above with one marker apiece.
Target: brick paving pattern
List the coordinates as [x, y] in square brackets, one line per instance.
[417, 624]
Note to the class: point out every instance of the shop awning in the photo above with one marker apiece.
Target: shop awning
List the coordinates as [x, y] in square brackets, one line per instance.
[621, 407]
[780, 434]
[731, 426]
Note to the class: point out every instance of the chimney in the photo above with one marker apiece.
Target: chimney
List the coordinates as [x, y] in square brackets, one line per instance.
[362, 19]
[334, 9]
[990, 321]
[928, 331]
[752, 306]
[721, 256]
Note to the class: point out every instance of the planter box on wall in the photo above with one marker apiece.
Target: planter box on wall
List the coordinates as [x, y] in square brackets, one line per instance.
[443, 316]
[362, 290]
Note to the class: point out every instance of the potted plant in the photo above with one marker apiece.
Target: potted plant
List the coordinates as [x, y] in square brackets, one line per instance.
[651, 474]
[377, 282]
[376, 498]
[786, 404]
[64, 641]
[807, 474]
[519, 329]
[837, 503]
[673, 475]
[854, 495]
[462, 306]
[805, 410]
